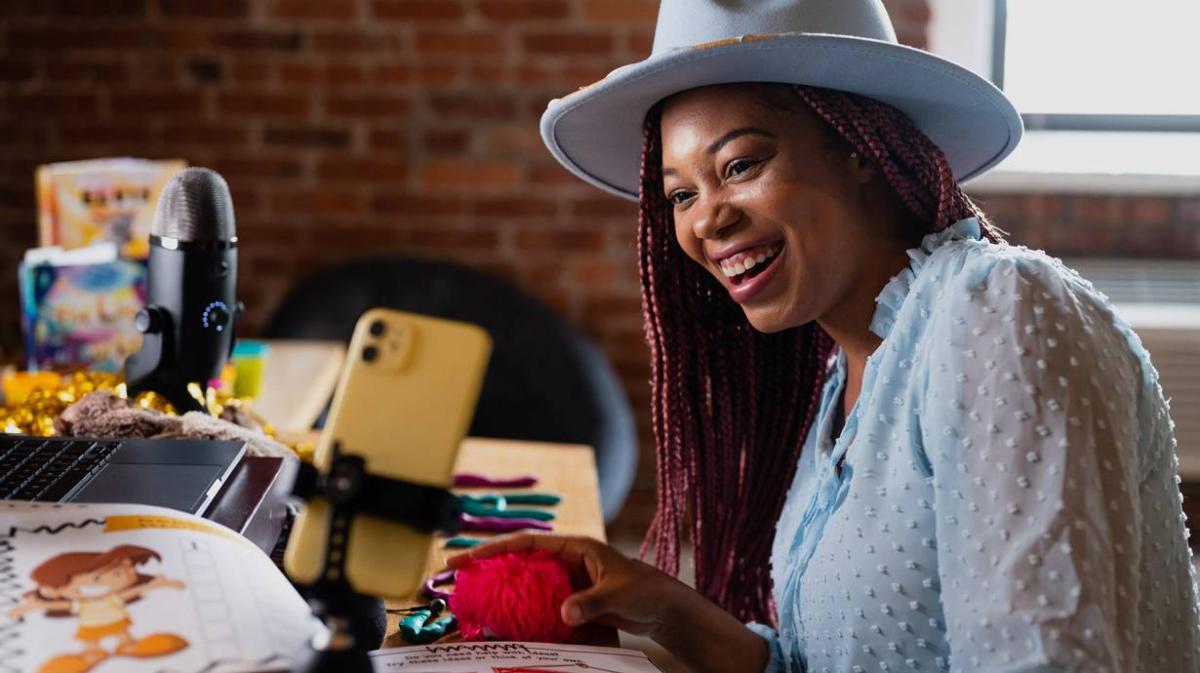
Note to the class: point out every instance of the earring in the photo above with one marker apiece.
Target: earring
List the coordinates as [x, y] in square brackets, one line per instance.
[854, 156]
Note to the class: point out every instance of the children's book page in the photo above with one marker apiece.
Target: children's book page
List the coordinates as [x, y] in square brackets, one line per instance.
[139, 589]
[507, 657]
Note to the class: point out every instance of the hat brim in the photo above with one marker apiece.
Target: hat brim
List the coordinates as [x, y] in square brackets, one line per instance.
[596, 132]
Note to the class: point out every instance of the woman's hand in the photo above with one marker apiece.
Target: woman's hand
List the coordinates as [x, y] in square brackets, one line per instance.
[613, 590]
[635, 597]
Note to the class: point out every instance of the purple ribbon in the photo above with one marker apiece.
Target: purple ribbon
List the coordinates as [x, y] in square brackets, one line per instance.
[468, 480]
[492, 524]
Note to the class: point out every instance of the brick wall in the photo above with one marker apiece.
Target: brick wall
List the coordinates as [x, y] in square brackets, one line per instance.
[352, 127]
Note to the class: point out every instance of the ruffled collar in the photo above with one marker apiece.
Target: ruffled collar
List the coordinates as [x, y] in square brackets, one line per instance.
[888, 303]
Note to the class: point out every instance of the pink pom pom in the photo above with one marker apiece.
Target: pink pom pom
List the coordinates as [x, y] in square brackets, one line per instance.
[512, 597]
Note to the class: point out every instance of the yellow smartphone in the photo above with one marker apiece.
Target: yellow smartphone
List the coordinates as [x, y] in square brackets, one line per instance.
[404, 402]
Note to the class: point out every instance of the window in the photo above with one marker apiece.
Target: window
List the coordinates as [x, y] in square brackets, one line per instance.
[1107, 89]
[1100, 64]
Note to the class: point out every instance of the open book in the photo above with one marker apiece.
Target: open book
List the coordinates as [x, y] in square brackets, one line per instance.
[139, 589]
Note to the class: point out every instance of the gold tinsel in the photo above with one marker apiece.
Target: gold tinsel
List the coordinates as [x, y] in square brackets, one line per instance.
[35, 415]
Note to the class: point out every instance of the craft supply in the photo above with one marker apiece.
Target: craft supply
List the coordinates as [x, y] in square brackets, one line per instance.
[492, 524]
[469, 480]
[516, 596]
[477, 508]
[422, 626]
[431, 590]
[502, 501]
[463, 542]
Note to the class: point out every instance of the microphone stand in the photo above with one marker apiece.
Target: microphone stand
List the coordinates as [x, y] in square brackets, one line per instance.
[351, 491]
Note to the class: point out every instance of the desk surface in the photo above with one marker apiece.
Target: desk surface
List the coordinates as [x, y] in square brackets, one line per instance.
[565, 469]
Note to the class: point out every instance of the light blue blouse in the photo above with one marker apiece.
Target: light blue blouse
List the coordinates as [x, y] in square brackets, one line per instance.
[1009, 499]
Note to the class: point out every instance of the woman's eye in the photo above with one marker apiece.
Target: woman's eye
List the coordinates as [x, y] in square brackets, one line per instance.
[739, 166]
[679, 198]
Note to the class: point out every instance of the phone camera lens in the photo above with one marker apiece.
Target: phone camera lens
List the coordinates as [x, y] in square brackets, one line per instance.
[370, 353]
[378, 328]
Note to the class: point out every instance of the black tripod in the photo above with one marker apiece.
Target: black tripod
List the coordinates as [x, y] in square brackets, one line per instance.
[350, 492]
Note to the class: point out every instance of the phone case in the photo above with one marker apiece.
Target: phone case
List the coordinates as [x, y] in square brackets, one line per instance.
[404, 402]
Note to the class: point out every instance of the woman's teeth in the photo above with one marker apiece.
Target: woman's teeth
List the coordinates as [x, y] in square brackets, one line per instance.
[745, 261]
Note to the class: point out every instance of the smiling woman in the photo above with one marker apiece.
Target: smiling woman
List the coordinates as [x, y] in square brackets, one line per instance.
[900, 442]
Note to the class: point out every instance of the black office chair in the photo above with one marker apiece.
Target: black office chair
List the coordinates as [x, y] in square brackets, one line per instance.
[545, 381]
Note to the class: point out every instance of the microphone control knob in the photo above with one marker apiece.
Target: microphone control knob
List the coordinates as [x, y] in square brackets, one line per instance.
[217, 316]
[149, 320]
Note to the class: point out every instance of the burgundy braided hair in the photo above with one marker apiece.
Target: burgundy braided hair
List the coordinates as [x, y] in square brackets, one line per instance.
[731, 406]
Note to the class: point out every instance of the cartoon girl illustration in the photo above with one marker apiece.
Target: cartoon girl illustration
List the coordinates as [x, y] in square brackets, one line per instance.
[96, 587]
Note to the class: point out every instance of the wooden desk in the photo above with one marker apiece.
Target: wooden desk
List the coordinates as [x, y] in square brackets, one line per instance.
[568, 470]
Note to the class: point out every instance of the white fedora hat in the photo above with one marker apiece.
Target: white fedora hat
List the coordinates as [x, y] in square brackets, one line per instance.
[596, 132]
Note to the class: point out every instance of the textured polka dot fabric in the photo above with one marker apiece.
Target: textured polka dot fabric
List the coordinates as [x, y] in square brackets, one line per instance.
[1008, 500]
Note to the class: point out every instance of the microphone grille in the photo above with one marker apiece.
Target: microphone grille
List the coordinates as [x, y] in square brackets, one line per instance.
[195, 206]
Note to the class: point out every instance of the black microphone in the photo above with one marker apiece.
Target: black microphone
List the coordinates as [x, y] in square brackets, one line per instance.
[191, 303]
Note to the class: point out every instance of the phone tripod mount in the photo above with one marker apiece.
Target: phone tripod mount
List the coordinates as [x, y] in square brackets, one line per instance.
[351, 491]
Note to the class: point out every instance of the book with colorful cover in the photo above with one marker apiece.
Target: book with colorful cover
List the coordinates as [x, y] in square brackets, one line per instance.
[93, 588]
[78, 308]
[86, 202]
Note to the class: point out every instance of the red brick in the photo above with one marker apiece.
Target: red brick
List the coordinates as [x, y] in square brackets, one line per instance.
[15, 71]
[356, 238]
[446, 141]
[419, 10]
[490, 73]
[307, 136]
[522, 139]
[334, 10]
[434, 73]
[64, 38]
[165, 103]
[636, 12]
[106, 135]
[515, 207]
[316, 201]
[477, 105]
[604, 206]
[594, 271]
[24, 136]
[96, 69]
[524, 10]
[461, 173]
[575, 240]
[418, 204]
[263, 104]
[459, 43]
[232, 9]
[357, 41]
[258, 40]
[388, 139]
[298, 74]
[250, 72]
[552, 175]
[362, 169]
[343, 74]
[90, 8]
[53, 104]
[638, 43]
[575, 43]
[236, 167]
[366, 106]
[455, 239]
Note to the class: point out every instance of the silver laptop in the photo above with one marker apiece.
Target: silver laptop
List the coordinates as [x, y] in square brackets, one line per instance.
[183, 474]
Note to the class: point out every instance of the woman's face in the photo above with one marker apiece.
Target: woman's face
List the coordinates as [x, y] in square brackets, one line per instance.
[765, 200]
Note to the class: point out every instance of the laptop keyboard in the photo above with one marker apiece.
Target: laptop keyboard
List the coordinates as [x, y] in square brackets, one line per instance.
[36, 468]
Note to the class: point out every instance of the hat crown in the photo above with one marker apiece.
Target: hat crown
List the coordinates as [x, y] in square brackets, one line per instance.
[685, 23]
